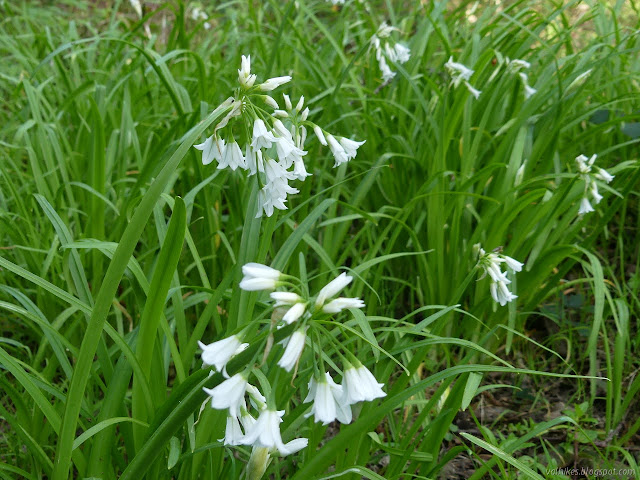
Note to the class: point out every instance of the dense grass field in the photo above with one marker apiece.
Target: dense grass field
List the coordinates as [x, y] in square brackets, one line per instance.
[468, 277]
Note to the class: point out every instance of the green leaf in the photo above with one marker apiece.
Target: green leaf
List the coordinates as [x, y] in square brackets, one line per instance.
[470, 389]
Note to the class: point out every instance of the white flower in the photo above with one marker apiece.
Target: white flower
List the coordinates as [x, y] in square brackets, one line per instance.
[253, 160]
[305, 114]
[593, 189]
[292, 352]
[256, 284]
[211, 150]
[501, 293]
[338, 151]
[287, 101]
[385, 30]
[232, 433]
[294, 313]
[219, 353]
[300, 104]
[273, 83]
[512, 263]
[256, 399]
[245, 77]
[265, 432]
[333, 288]
[350, 146]
[387, 73]
[318, 131]
[517, 64]
[258, 270]
[262, 138]
[458, 71]
[270, 101]
[328, 401]
[340, 303]
[529, 91]
[398, 53]
[287, 151]
[232, 157]
[360, 385]
[476, 93]
[585, 206]
[286, 298]
[299, 169]
[604, 175]
[229, 394]
[294, 446]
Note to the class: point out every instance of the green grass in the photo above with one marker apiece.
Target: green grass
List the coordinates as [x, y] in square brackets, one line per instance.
[119, 250]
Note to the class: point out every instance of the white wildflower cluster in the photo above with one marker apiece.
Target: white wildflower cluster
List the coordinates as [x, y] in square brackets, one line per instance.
[197, 14]
[515, 66]
[386, 50]
[330, 401]
[461, 74]
[585, 166]
[491, 264]
[274, 140]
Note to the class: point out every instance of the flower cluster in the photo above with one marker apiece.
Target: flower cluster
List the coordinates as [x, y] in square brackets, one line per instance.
[491, 264]
[461, 74]
[197, 14]
[274, 139]
[395, 52]
[515, 66]
[585, 166]
[330, 401]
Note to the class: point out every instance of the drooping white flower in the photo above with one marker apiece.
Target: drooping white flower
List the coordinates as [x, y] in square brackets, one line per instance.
[593, 189]
[512, 263]
[262, 138]
[265, 432]
[585, 206]
[385, 30]
[398, 53]
[516, 65]
[253, 159]
[360, 385]
[459, 72]
[501, 293]
[604, 175]
[229, 394]
[219, 353]
[245, 77]
[273, 83]
[476, 93]
[211, 150]
[293, 350]
[232, 157]
[328, 401]
[333, 288]
[338, 151]
[350, 146]
[340, 303]
[232, 433]
[294, 313]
